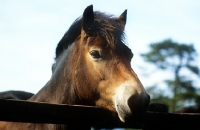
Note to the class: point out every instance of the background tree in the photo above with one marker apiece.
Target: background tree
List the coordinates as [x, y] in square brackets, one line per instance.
[179, 59]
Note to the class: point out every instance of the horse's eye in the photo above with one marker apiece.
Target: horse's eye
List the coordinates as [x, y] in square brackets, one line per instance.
[95, 54]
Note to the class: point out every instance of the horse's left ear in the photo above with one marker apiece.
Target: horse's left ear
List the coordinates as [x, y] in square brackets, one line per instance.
[88, 20]
[122, 17]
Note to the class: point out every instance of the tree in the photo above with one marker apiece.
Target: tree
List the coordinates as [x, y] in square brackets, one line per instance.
[180, 60]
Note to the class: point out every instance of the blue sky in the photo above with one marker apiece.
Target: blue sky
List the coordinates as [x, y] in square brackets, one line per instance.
[31, 29]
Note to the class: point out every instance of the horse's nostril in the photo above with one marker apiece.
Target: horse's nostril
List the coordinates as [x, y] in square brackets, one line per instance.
[138, 101]
[130, 102]
[138, 104]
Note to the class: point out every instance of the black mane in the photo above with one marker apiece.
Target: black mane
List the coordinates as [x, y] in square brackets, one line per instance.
[107, 26]
[73, 32]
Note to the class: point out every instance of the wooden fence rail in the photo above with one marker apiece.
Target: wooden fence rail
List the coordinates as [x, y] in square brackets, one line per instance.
[24, 111]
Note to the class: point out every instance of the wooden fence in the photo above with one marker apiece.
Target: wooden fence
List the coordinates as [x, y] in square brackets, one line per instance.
[24, 111]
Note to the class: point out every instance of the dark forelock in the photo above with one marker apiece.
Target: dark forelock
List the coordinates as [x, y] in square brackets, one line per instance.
[107, 26]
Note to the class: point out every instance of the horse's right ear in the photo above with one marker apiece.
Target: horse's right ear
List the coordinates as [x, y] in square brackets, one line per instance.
[88, 20]
[122, 17]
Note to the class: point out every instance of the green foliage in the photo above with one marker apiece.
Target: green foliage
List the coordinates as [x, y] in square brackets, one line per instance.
[174, 57]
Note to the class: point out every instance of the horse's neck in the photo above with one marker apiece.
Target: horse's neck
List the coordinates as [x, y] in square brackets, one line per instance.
[58, 93]
[60, 90]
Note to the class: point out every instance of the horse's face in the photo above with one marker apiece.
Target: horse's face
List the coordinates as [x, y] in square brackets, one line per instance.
[104, 76]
